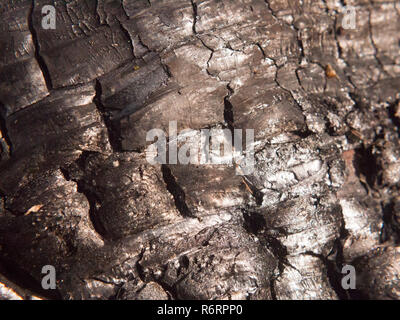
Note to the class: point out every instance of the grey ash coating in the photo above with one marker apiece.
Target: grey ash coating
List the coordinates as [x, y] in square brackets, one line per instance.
[78, 101]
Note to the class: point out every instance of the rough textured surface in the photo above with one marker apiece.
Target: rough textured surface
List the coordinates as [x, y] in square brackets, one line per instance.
[76, 191]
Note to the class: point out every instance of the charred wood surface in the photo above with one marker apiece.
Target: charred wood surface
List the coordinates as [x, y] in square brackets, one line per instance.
[76, 191]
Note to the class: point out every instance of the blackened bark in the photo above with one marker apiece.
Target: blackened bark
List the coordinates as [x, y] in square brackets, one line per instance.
[76, 191]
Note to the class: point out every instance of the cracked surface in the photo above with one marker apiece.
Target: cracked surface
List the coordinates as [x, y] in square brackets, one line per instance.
[76, 191]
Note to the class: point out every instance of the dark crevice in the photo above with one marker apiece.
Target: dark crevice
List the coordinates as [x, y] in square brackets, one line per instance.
[303, 134]
[394, 114]
[229, 120]
[334, 263]
[262, 50]
[92, 199]
[208, 62]
[255, 223]
[391, 223]
[113, 127]
[326, 7]
[194, 6]
[38, 57]
[279, 251]
[333, 274]
[128, 36]
[170, 290]
[365, 162]
[119, 292]
[143, 44]
[272, 288]
[301, 47]
[366, 165]
[257, 194]
[5, 142]
[270, 9]
[90, 195]
[176, 191]
[139, 268]
[228, 114]
[287, 90]
[166, 69]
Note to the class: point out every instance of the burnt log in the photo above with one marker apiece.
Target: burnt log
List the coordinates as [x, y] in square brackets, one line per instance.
[76, 190]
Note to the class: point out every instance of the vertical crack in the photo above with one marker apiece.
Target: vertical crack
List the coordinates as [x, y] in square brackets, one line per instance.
[142, 43]
[371, 38]
[391, 225]
[334, 263]
[333, 275]
[300, 43]
[270, 9]
[262, 50]
[127, 35]
[272, 288]
[228, 110]
[113, 127]
[5, 143]
[177, 192]
[299, 40]
[194, 6]
[39, 58]
[255, 223]
[286, 90]
[139, 268]
[89, 194]
[336, 29]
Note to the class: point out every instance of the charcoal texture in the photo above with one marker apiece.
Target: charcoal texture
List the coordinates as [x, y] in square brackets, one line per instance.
[76, 189]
